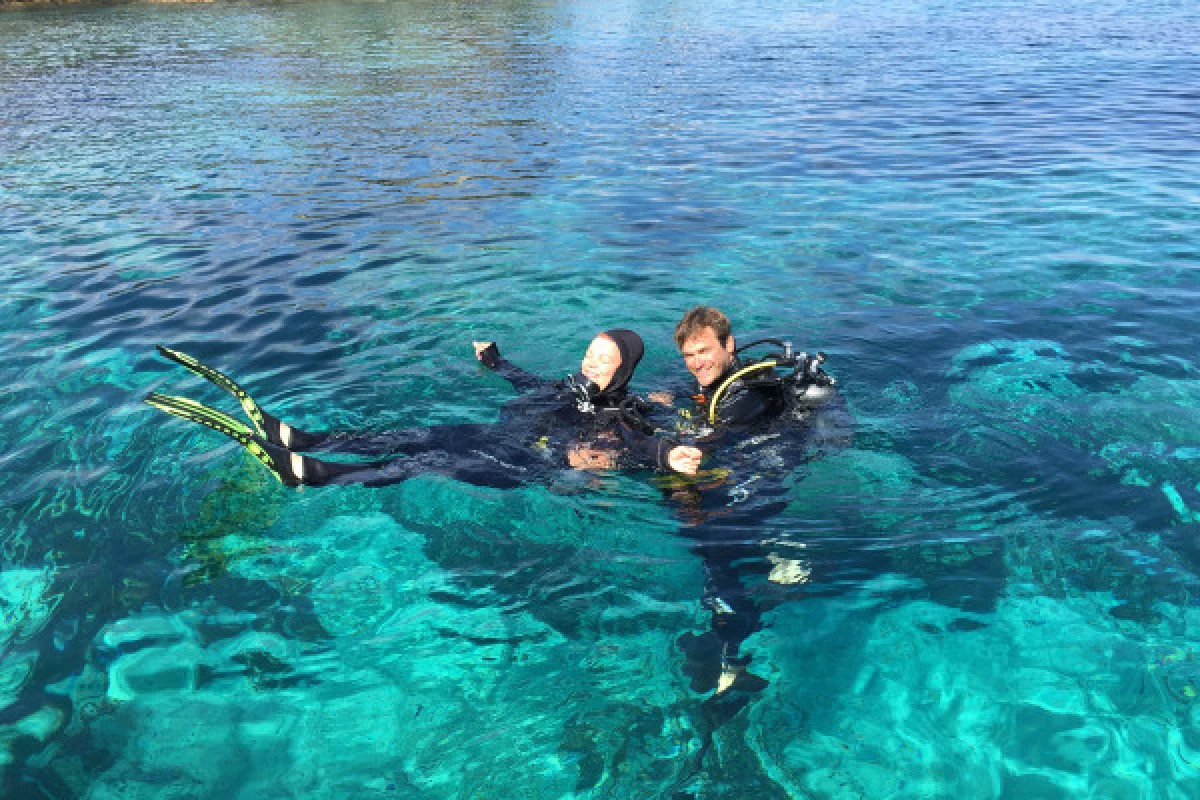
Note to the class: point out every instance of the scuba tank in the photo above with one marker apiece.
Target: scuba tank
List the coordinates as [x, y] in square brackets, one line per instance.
[805, 385]
[814, 387]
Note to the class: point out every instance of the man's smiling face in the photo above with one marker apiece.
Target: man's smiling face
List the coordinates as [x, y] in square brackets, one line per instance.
[706, 358]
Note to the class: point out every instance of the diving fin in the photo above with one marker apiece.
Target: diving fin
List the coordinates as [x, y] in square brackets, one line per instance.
[269, 427]
[273, 457]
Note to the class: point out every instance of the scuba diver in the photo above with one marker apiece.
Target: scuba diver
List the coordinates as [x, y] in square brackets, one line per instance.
[733, 394]
[759, 420]
[590, 420]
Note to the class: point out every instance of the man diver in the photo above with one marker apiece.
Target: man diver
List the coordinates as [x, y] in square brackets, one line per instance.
[590, 418]
[734, 401]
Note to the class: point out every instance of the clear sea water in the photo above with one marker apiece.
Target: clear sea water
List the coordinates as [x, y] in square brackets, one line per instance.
[986, 213]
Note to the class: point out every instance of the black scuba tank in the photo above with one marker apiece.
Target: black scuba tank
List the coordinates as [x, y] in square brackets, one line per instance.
[811, 387]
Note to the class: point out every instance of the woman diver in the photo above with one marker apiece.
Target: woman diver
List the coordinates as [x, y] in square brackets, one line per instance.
[590, 421]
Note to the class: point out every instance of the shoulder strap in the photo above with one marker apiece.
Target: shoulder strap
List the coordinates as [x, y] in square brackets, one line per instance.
[716, 397]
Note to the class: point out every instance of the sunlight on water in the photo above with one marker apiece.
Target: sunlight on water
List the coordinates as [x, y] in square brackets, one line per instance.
[986, 216]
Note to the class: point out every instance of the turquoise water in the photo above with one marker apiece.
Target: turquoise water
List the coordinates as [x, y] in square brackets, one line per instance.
[985, 213]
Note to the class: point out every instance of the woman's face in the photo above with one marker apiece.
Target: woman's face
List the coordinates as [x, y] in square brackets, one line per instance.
[601, 361]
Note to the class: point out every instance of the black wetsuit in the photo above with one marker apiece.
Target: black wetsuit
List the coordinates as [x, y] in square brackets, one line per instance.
[744, 402]
[753, 446]
[535, 432]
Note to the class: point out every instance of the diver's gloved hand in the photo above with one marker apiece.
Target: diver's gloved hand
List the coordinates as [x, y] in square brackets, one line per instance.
[487, 353]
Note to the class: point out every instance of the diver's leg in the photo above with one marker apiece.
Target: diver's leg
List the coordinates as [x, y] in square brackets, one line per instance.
[714, 658]
[464, 467]
[293, 469]
[269, 427]
[473, 468]
[727, 536]
[406, 441]
[278, 432]
[735, 615]
[290, 468]
[274, 458]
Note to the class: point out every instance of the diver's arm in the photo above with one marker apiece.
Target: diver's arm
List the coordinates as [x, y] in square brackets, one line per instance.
[671, 394]
[660, 453]
[665, 399]
[489, 355]
[744, 408]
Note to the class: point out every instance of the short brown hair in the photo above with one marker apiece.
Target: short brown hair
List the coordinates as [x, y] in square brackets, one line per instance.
[697, 320]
